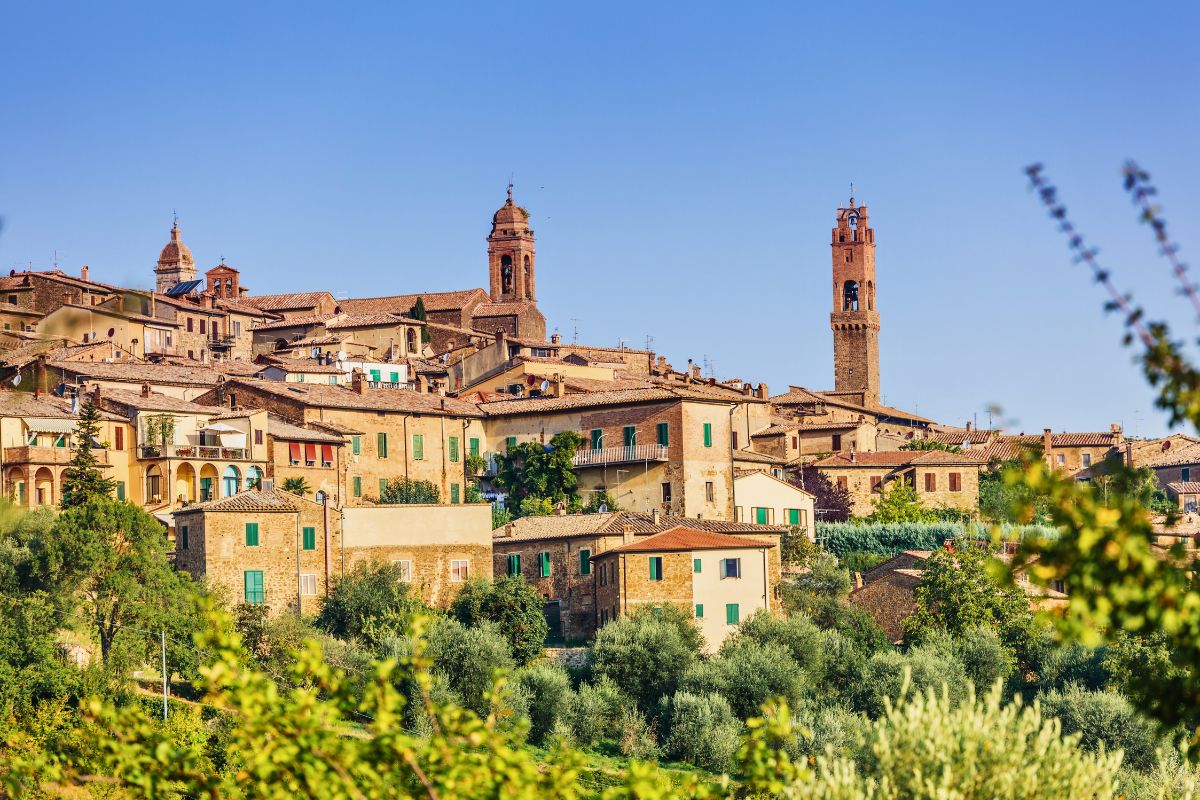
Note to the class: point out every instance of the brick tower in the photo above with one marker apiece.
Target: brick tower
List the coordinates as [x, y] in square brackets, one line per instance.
[175, 263]
[855, 320]
[510, 254]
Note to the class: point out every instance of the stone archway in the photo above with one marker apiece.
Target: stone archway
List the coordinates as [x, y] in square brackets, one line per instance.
[254, 478]
[17, 486]
[208, 483]
[43, 487]
[185, 483]
[231, 481]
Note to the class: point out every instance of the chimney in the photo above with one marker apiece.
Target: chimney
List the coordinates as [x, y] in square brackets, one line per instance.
[762, 391]
[858, 581]
[509, 530]
[1118, 437]
[627, 534]
[555, 338]
[747, 389]
[422, 384]
[1129, 454]
[145, 390]
[853, 456]
[1047, 439]
[357, 384]
[560, 386]
[502, 342]
[968, 424]
[83, 273]
[654, 517]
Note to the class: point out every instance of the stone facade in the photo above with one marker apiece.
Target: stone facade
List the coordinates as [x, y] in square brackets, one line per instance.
[942, 480]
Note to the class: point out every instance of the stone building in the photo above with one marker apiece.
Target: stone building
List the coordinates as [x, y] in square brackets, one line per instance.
[44, 291]
[554, 555]
[855, 319]
[175, 263]
[719, 579]
[316, 456]
[291, 305]
[941, 479]
[764, 499]
[261, 546]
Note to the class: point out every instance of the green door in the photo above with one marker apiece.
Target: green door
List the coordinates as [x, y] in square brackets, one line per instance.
[205, 489]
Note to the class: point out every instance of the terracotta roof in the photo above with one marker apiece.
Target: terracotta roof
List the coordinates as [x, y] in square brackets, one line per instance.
[1189, 454]
[294, 322]
[757, 458]
[595, 348]
[957, 437]
[537, 405]
[12, 308]
[241, 308]
[56, 275]
[1003, 450]
[337, 427]
[434, 301]
[279, 428]
[797, 395]
[421, 366]
[155, 402]
[502, 309]
[333, 338]
[613, 523]
[308, 365]
[55, 349]
[24, 404]
[1097, 439]
[250, 500]
[139, 372]
[1184, 487]
[683, 538]
[330, 396]
[369, 320]
[286, 302]
[790, 427]
[900, 458]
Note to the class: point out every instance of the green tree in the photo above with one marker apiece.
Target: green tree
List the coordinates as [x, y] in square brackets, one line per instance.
[930, 444]
[599, 500]
[645, 654]
[899, 502]
[418, 312]
[83, 481]
[514, 606]
[406, 491]
[831, 502]
[531, 469]
[297, 486]
[1001, 500]
[369, 604]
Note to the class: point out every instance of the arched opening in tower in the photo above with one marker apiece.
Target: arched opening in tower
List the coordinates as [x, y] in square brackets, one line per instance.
[850, 296]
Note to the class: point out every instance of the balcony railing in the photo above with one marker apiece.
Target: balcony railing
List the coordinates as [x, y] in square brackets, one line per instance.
[31, 454]
[222, 342]
[620, 455]
[196, 451]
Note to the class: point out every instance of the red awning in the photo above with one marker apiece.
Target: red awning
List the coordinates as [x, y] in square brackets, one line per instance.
[294, 450]
[327, 453]
[310, 451]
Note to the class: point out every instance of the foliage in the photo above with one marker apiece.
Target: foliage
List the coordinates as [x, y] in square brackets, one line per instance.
[645, 654]
[639, 740]
[984, 658]
[1106, 721]
[998, 497]
[800, 638]
[83, 482]
[501, 516]
[536, 507]
[475, 463]
[1073, 664]
[531, 469]
[861, 561]
[747, 674]
[930, 444]
[831, 502]
[407, 491]
[549, 689]
[369, 604]
[160, 428]
[468, 660]
[890, 539]
[297, 486]
[473, 494]
[887, 674]
[418, 312]
[898, 503]
[1137, 483]
[599, 500]
[796, 546]
[703, 730]
[513, 605]
[596, 711]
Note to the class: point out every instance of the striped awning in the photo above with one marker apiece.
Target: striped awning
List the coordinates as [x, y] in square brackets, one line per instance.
[50, 425]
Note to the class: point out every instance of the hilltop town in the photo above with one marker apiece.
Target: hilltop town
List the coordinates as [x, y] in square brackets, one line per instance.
[244, 421]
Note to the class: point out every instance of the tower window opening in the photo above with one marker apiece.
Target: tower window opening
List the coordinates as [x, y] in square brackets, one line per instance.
[506, 274]
[850, 296]
[849, 256]
[528, 287]
[870, 295]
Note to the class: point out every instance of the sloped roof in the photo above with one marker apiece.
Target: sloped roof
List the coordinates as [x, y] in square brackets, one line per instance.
[614, 523]
[900, 458]
[537, 405]
[1184, 487]
[251, 500]
[155, 402]
[684, 538]
[279, 428]
[434, 301]
[139, 372]
[330, 396]
[24, 404]
[1189, 454]
[294, 322]
[369, 320]
[502, 309]
[286, 302]
[756, 458]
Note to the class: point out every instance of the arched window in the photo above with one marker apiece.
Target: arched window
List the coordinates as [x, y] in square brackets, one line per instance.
[506, 275]
[528, 287]
[853, 222]
[411, 337]
[850, 296]
[253, 478]
[870, 295]
[230, 480]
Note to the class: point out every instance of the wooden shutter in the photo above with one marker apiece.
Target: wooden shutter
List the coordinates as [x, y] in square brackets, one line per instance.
[473, 446]
[310, 538]
[930, 482]
[119, 437]
[418, 447]
[699, 610]
[356, 444]
[732, 614]
[381, 444]
[708, 434]
[696, 565]
[454, 448]
[252, 534]
[664, 434]
[358, 486]
[585, 562]
[454, 498]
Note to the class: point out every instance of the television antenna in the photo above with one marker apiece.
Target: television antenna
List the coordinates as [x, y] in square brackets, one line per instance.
[575, 330]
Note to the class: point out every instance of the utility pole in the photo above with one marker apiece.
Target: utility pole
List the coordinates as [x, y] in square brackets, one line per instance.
[163, 632]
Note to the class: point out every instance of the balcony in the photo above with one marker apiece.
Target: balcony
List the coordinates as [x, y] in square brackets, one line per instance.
[31, 454]
[202, 452]
[620, 455]
[221, 342]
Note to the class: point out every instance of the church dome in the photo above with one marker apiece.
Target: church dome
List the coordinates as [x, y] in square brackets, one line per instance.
[510, 216]
[176, 251]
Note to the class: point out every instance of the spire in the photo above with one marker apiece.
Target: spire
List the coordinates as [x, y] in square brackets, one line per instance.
[510, 200]
[851, 194]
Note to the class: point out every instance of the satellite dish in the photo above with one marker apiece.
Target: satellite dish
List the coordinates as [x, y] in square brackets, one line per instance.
[17, 379]
[604, 508]
[544, 386]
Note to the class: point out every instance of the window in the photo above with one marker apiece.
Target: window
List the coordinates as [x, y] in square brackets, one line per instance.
[382, 486]
[183, 537]
[120, 490]
[394, 377]
[119, 438]
[418, 453]
[510, 442]
[333, 380]
[699, 610]
[358, 486]
[252, 534]
[837, 442]
[732, 614]
[597, 437]
[585, 561]
[254, 586]
[664, 434]
[1061, 459]
[453, 449]
[300, 377]
[189, 324]
[308, 584]
[795, 516]
[697, 565]
[603, 575]
[459, 570]
[709, 491]
[473, 446]
[294, 455]
[309, 536]
[656, 568]
[381, 444]
[795, 443]
[762, 516]
[843, 483]
[455, 498]
[514, 563]
[666, 492]
[376, 376]
[708, 434]
[1185, 474]
[876, 484]
[204, 326]
[544, 564]
[731, 568]
[1087, 459]
[930, 482]
[733, 439]
[61, 441]
[955, 481]
[258, 436]
[12, 298]
[630, 435]
[405, 570]
[356, 444]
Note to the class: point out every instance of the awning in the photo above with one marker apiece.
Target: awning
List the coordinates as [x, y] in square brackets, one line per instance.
[50, 425]
[294, 451]
[310, 451]
[326, 454]
[221, 427]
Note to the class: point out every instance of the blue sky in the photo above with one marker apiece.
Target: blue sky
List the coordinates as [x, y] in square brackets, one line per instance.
[681, 162]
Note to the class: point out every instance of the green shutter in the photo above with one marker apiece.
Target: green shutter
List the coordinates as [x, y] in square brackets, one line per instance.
[120, 490]
[358, 486]
[394, 377]
[597, 438]
[310, 538]
[183, 538]
[381, 444]
[664, 434]
[252, 534]
[514, 564]
[656, 569]
[254, 586]
[630, 434]
[454, 449]
[510, 442]
[732, 614]
[375, 375]
[544, 564]
[793, 516]
[585, 562]
[699, 610]
[696, 565]
[760, 516]
[708, 434]
[382, 486]
[454, 499]
[418, 447]
[473, 446]
[356, 444]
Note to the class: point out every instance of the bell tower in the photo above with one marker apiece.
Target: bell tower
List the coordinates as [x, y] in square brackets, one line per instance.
[175, 263]
[510, 255]
[855, 319]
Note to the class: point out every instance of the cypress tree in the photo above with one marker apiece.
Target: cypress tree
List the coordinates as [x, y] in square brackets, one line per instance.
[82, 481]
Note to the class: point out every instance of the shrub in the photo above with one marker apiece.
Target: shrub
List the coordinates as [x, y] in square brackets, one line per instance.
[548, 688]
[923, 668]
[889, 539]
[468, 659]
[404, 491]
[748, 674]
[796, 634]
[822, 729]
[844, 665]
[1072, 664]
[984, 658]
[703, 730]
[513, 605]
[595, 712]
[645, 655]
[638, 737]
[1104, 718]
[370, 604]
